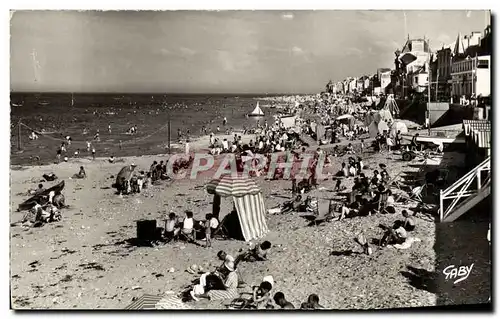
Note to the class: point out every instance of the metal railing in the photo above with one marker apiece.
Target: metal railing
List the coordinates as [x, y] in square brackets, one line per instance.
[463, 188]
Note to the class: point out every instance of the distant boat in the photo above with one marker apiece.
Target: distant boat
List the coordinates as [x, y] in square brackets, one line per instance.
[257, 111]
[72, 100]
[43, 103]
[17, 104]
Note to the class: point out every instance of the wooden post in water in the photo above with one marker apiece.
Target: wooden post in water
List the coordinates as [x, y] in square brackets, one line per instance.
[168, 132]
[19, 135]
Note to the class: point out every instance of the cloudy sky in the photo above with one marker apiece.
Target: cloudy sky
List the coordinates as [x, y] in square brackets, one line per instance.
[214, 52]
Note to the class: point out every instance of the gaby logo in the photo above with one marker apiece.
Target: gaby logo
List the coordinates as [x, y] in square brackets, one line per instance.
[461, 273]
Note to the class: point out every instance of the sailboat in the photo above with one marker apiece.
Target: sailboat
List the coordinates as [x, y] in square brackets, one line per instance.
[257, 111]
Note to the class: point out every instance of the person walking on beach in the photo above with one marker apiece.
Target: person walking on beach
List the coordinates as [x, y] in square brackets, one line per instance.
[187, 147]
[224, 121]
[208, 230]
[120, 145]
[88, 146]
[93, 153]
[109, 128]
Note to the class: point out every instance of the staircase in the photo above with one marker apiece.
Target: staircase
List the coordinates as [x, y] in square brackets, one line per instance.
[466, 192]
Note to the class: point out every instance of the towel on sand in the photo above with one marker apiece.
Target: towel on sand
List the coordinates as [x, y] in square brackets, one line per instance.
[407, 244]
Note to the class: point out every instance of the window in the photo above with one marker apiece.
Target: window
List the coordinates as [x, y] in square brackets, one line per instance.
[483, 64]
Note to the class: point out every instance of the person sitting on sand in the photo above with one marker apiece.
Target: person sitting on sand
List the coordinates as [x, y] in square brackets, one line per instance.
[408, 222]
[261, 296]
[394, 235]
[230, 284]
[344, 170]
[187, 226]
[170, 224]
[350, 149]
[350, 210]
[81, 173]
[312, 303]
[279, 299]
[292, 206]
[111, 159]
[258, 253]
[39, 190]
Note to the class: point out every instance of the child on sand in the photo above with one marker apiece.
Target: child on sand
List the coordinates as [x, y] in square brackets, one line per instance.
[312, 303]
[170, 226]
[261, 298]
[279, 299]
[409, 222]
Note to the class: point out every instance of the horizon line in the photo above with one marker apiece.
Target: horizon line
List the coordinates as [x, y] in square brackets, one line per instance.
[162, 93]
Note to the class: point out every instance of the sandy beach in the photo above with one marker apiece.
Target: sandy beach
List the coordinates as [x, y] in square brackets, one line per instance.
[51, 266]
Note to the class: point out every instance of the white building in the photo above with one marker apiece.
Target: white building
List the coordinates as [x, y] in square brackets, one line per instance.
[471, 76]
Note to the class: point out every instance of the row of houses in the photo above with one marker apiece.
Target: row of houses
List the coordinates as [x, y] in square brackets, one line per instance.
[461, 69]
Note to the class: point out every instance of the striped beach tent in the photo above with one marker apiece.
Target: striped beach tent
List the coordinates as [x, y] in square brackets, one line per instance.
[251, 213]
[229, 185]
[145, 302]
[248, 201]
[154, 302]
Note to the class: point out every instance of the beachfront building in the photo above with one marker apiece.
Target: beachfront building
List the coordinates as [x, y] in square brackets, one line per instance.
[470, 68]
[384, 75]
[471, 77]
[352, 85]
[412, 66]
[441, 73]
[339, 87]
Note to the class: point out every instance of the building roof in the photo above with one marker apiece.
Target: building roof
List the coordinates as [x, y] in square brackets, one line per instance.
[408, 45]
[459, 47]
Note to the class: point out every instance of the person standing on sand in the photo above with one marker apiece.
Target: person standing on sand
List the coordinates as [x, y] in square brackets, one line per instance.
[187, 147]
[109, 128]
[224, 121]
[93, 153]
[88, 146]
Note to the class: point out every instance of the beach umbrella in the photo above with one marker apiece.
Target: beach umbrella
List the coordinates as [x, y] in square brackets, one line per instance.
[398, 126]
[126, 172]
[343, 117]
[229, 185]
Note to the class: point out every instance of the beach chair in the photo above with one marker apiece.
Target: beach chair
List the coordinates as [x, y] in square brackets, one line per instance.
[416, 193]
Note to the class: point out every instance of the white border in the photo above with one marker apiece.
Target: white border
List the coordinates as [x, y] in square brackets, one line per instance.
[178, 5]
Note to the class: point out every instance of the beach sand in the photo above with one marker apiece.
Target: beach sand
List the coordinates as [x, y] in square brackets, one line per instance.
[96, 226]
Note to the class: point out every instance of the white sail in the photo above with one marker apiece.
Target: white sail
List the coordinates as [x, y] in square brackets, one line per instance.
[257, 111]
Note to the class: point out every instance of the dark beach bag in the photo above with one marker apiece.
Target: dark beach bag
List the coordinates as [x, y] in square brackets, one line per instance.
[146, 230]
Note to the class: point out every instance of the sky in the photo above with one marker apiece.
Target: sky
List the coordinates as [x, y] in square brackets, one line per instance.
[215, 51]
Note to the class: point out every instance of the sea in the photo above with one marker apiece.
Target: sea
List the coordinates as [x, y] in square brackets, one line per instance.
[66, 114]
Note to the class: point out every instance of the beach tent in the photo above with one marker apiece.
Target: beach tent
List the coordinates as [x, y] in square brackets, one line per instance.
[376, 128]
[385, 115]
[248, 201]
[153, 302]
[391, 105]
[257, 111]
[398, 126]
